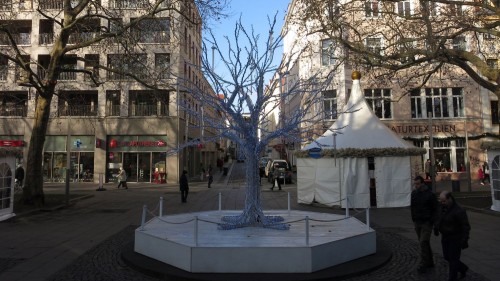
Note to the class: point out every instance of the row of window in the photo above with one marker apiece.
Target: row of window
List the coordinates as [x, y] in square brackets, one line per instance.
[8, 5]
[374, 8]
[375, 44]
[154, 30]
[425, 103]
[123, 63]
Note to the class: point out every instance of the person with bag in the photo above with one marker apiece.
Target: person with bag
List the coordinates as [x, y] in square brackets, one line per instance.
[122, 179]
[454, 227]
[424, 210]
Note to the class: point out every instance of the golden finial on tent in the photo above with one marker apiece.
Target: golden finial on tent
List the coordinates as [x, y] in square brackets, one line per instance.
[356, 75]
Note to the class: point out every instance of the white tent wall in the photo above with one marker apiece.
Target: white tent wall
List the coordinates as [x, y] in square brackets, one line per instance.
[355, 183]
[306, 178]
[318, 180]
[494, 163]
[393, 181]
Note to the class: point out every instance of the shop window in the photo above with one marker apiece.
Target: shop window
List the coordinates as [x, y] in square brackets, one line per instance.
[442, 154]
[379, 100]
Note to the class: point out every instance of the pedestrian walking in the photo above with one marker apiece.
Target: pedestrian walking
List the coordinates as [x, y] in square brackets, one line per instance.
[424, 211]
[210, 176]
[427, 169]
[276, 176]
[454, 227]
[122, 179]
[184, 186]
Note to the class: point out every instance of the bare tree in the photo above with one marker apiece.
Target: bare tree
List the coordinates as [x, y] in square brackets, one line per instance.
[243, 105]
[71, 26]
[416, 39]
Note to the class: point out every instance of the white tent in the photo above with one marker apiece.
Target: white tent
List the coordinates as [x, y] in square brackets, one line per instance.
[355, 135]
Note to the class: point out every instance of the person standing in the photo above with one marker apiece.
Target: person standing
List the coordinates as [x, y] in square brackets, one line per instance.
[427, 169]
[454, 227]
[210, 176]
[19, 175]
[122, 179]
[486, 173]
[424, 210]
[184, 186]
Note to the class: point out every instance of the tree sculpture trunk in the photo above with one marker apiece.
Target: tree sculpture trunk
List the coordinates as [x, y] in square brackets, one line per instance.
[253, 214]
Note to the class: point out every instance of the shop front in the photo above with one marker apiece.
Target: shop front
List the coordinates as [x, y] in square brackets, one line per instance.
[55, 160]
[142, 157]
[10, 159]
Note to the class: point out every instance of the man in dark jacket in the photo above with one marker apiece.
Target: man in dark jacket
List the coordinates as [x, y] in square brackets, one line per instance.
[19, 176]
[454, 227]
[184, 186]
[424, 208]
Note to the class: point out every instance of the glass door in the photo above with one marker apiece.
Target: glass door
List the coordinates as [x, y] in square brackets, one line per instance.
[130, 166]
[6, 181]
[144, 167]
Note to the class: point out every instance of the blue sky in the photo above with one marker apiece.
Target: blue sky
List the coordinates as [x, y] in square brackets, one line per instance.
[253, 13]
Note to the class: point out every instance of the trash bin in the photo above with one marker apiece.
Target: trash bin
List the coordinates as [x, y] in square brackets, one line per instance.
[225, 171]
[455, 186]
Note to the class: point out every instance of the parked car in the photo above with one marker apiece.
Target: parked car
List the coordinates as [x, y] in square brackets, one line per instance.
[283, 168]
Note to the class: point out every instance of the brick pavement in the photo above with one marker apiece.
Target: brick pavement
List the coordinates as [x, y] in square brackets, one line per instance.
[84, 242]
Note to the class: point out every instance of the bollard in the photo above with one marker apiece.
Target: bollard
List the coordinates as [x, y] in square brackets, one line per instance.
[196, 231]
[161, 207]
[347, 206]
[143, 220]
[307, 230]
[368, 218]
[289, 209]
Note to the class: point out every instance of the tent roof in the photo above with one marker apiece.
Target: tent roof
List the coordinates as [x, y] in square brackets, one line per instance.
[358, 127]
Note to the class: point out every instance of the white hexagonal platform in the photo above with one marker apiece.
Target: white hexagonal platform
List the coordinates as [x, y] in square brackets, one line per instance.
[333, 239]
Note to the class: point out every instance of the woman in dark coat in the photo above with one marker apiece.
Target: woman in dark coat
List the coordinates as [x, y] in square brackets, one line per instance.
[184, 186]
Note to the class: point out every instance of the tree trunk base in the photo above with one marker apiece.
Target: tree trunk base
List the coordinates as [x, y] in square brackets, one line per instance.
[256, 220]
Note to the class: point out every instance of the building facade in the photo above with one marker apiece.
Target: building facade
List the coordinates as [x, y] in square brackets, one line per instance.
[450, 112]
[107, 120]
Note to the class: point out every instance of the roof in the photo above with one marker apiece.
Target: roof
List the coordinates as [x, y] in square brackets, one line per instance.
[358, 127]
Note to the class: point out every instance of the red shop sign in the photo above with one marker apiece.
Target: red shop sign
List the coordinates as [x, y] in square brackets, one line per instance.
[12, 143]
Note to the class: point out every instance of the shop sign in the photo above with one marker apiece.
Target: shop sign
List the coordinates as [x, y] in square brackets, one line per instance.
[11, 143]
[158, 143]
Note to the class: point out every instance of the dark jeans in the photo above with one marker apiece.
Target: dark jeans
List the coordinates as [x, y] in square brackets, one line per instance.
[184, 195]
[279, 183]
[451, 253]
[424, 231]
[122, 183]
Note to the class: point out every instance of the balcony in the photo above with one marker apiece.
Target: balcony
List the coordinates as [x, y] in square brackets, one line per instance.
[46, 38]
[4, 71]
[13, 111]
[51, 4]
[127, 4]
[80, 110]
[19, 38]
[113, 110]
[148, 110]
[82, 37]
[152, 37]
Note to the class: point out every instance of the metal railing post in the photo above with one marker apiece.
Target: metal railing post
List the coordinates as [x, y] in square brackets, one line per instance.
[307, 230]
[368, 218]
[196, 230]
[289, 207]
[161, 207]
[143, 219]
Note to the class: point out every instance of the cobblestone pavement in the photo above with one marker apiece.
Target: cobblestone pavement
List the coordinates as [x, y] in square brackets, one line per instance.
[103, 263]
[87, 240]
